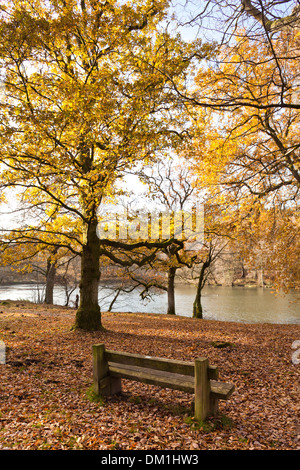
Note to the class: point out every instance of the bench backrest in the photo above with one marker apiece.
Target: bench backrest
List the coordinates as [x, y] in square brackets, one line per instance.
[150, 362]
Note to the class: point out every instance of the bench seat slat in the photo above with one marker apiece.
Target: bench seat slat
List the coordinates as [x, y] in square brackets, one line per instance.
[180, 367]
[176, 381]
[157, 363]
[181, 382]
[221, 390]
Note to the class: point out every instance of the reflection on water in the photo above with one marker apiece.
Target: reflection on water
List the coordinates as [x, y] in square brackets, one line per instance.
[250, 305]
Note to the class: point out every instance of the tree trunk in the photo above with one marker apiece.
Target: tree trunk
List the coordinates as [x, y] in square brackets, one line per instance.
[197, 306]
[88, 316]
[50, 278]
[171, 291]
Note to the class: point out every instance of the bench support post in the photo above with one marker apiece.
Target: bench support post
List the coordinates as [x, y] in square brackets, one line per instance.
[103, 384]
[202, 389]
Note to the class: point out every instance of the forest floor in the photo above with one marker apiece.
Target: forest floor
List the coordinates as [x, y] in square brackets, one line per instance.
[46, 402]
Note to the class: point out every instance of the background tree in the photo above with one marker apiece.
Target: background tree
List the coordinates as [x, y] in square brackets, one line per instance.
[247, 123]
[171, 187]
[206, 257]
[250, 89]
[269, 239]
[219, 221]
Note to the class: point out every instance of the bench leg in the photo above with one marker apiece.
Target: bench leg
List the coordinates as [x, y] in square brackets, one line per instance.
[214, 406]
[202, 389]
[103, 384]
[115, 385]
[100, 370]
[214, 402]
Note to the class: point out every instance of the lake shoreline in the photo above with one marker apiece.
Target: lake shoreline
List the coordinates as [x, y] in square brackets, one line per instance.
[114, 282]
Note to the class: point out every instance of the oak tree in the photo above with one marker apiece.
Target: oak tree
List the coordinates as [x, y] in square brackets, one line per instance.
[87, 95]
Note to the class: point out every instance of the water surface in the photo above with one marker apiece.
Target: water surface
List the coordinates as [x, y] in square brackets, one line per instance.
[250, 305]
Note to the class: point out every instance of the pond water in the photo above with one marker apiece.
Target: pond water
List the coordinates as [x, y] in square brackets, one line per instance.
[249, 305]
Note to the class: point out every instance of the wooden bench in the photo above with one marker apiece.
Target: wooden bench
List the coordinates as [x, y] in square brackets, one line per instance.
[196, 377]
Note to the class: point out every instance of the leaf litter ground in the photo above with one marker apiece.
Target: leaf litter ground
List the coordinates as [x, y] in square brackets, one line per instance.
[46, 401]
